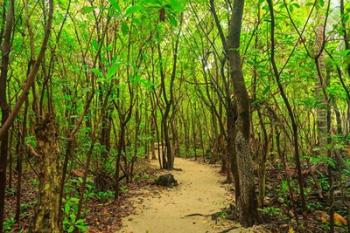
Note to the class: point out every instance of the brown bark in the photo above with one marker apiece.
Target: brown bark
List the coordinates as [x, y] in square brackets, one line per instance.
[47, 211]
[247, 203]
[30, 79]
[230, 141]
[262, 161]
[22, 152]
[276, 73]
[169, 100]
[345, 31]
[5, 53]
[124, 118]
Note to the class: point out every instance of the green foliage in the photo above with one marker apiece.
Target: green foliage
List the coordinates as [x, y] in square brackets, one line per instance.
[271, 211]
[75, 183]
[26, 206]
[104, 196]
[324, 182]
[31, 140]
[284, 188]
[323, 160]
[10, 191]
[346, 170]
[141, 177]
[221, 214]
[116, 49]
[312, 206]
[115, 5]
[8, 224]
[124, 189]
[35, 182]
[70, 221]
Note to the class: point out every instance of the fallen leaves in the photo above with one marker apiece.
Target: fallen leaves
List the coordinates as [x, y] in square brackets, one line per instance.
[338, 219]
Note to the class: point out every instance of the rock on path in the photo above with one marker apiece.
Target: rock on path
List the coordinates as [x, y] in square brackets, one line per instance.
[200, 191]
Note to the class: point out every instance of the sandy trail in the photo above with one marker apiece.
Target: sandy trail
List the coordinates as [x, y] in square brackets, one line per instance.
[200, 191]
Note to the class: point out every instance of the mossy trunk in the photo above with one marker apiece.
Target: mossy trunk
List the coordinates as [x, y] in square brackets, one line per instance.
[46, 211]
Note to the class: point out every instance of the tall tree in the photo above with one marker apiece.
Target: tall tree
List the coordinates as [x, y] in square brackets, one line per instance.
[247, 202]
[5, 58]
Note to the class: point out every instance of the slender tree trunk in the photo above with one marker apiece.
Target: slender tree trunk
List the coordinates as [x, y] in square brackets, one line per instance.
[22, 152]
[86, 174]
[202, 141]
[262, 161]
[324, 113]
[194, 136]
[155, 135]
[321, 113]
[345, 30]
[120, 147]
[247, 203]
[230, 147]
[289, 108]
[230, 157]
[5, 53]
[10, 158]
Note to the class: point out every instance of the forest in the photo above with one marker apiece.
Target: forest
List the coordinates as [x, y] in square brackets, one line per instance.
[240, 108]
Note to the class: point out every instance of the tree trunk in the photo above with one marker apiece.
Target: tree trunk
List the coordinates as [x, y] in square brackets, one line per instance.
[247, 203]
[230, 147]
[345, 30]
[22, 152]
[47, 211]
[121, 143]
[321, 83]
[5, 53]
[262, 161]
[276, 73]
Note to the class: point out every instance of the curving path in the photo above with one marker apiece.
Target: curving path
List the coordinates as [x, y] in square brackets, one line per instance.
[200, 192]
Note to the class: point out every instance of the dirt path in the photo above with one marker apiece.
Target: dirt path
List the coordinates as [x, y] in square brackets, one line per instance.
[200, 191]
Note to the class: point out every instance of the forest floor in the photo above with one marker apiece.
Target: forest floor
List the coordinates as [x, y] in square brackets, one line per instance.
[198, 204]
[186, 208]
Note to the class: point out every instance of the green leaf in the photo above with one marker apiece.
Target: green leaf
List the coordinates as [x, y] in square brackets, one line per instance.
[97, 72]
[115, 5]
[178, 5]
[346, 172]
[72, 217]
[321, 3]
[70, 229]
[113, 69]
[80, 222]
[82, 228]
[322, 159]
[296, 5]
[132, 9]
[266, 90]
[172, 20]
[66, 208]
[87, 9]
[125, 28]
[95, 44]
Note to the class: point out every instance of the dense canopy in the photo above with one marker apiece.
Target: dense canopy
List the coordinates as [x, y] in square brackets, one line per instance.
[90, 90]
